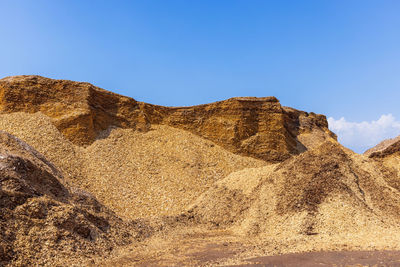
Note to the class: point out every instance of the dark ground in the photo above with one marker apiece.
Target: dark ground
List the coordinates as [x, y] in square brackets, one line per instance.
[341, 258]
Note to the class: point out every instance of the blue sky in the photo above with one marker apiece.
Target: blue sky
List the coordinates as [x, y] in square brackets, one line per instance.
[338, 58]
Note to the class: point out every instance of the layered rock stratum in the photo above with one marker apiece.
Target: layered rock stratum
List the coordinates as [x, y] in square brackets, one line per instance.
[88, 176]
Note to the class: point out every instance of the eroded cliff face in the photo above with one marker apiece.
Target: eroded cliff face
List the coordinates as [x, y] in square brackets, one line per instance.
[257, 127]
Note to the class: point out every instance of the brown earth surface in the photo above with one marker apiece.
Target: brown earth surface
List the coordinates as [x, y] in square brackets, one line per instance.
[220, 249]
[331, 258]
[107, 180]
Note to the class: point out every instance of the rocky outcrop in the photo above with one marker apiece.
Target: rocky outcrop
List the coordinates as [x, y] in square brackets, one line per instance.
[42, 219]
[257, 127]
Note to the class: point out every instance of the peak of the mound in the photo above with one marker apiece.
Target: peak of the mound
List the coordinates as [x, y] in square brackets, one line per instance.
[42, 219]
[385, 148]
[257, 127]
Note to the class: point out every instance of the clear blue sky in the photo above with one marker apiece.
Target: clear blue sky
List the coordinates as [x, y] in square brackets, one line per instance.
[339, 58]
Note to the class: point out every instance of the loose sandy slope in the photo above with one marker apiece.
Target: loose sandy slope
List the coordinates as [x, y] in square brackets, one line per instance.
[162, 171]
[136, 174]
[382, 146]
[44, 221]
[327, 198]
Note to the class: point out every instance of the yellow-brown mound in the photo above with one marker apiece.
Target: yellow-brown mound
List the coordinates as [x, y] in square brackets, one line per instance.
[136, 174]
[326, 198]
[385, 145]
[387, 154]
[43, 221]
[271, 178]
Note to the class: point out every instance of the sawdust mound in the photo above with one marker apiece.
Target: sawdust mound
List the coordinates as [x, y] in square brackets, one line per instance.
[325, 198]
[386, 145]
[162, 171]
[93, 136]
[43, 221]
[391, 149]
[38, 131]
[136, 174]
[387, 154]
[247, 166]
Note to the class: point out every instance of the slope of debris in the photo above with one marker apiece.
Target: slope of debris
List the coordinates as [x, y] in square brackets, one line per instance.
[387, 153]
[326, 198]
[381, 147]
[136, 174]
[43, 221]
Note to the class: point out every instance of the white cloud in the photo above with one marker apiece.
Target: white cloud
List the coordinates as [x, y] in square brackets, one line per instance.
[361, 136]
